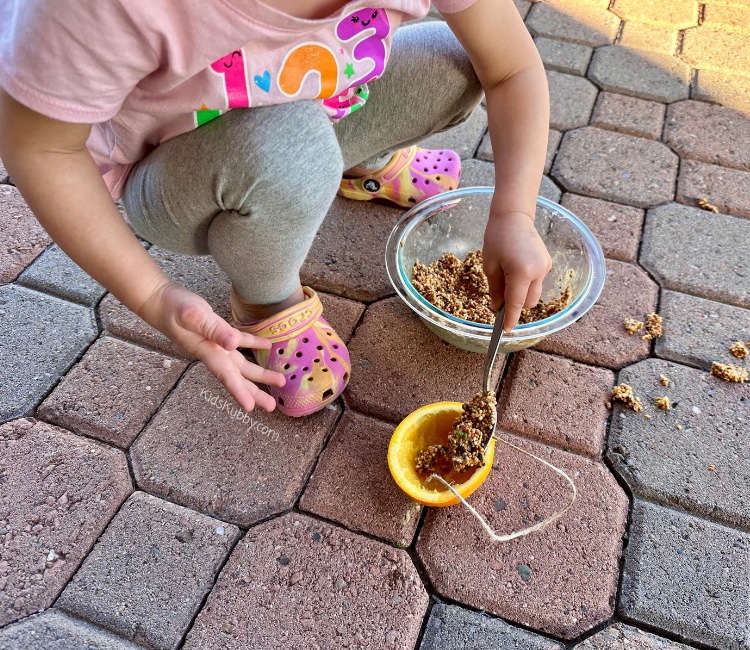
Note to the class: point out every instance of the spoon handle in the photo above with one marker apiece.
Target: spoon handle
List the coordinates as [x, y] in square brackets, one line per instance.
[497, 335]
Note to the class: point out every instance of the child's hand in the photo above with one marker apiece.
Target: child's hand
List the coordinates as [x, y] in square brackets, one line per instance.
[189, 321]
[516, 262]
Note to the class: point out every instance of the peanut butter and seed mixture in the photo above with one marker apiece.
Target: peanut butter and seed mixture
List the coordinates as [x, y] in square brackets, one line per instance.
[729, 372]
[633, 325]
[624, 393]
[653, 327]
[738, 349]
[663, 403]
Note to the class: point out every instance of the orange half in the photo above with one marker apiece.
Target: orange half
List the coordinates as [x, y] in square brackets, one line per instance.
[430, 425]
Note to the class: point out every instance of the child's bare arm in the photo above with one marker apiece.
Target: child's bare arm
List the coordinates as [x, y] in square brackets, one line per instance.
[50, 165]
[512, 75]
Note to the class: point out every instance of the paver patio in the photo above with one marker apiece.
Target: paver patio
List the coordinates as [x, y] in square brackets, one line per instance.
[140, 509]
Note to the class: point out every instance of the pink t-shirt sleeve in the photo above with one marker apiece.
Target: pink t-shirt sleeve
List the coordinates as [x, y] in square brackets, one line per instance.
[452, 6]
[72, 60]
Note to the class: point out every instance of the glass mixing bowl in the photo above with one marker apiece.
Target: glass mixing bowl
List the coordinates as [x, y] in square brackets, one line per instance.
[455, 222]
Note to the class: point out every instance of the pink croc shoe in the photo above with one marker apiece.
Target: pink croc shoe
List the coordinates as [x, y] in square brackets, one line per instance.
[307, 351]
[411, 176]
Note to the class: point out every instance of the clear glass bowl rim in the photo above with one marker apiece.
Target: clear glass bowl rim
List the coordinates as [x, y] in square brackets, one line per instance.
[402, 284]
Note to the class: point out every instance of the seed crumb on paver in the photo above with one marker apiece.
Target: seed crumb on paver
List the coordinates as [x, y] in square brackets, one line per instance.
[624, 393]
[460, 288]
[466, 442]
[705, 205]
[663, 403]
[664, 380]
[729, 372]
[653, 327]
[738, 349]
[633, 325]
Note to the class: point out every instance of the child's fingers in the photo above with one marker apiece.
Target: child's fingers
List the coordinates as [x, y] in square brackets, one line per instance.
[201, 319]
[515, 298]
[534, 294]
[254, 372]
[255, 342]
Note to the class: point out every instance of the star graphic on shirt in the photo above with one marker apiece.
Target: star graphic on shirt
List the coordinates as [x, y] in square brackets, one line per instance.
[349, 71]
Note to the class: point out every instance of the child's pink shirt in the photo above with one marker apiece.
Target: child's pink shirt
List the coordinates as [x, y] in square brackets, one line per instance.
[144, 71]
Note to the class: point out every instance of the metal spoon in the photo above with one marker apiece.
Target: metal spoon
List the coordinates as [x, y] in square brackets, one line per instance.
[489, 364]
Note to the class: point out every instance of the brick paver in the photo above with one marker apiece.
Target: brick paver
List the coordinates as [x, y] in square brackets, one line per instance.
[735, 18]
[562, 56]
[630, 115]
[729, 89]
[616, 167]
[556, 401]
[296, 582]
[40, 337]
[672, 465]
[485, 153]
[709, 133]
[651, 38]
[352, 485]
[678, 14]
[688, 249]
[727, 189]
[53, 630]
[571, 100]
[455, 628]
[395, 355]
[625, 637]
[202, 451]
[687, 576]
[58, 493]
[23, 237]
[463, 139]
[616, 227]
[567, 20]
[648, 75]
[599, 338]
[155, 557]
[699, 331]
[112, 392]
[560, 581]
[709, 48]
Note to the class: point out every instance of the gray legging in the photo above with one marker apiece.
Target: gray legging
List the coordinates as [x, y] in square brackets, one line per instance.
[253, 186]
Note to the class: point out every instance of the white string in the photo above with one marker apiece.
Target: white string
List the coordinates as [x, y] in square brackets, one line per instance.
[519, 533]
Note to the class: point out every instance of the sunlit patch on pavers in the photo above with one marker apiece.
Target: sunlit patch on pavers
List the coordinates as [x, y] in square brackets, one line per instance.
[560, 581]
[568, 20]
[296, 582]
[726, 189]
[710, 47]
[203, 451]
[673, 13]
[58, 493]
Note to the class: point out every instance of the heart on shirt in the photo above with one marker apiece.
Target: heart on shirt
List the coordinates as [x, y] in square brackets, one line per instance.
[264, 82]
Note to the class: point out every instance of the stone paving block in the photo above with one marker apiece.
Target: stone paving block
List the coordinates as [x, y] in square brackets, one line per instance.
[347, 253]
[556, 401]
[616, 167]
[549, 190]
[727, 189]
[686, 576]
[734, 19]
[351, 483]
[571, 100]
[559, 581]
[570, 58]
[480, 173]
[616, 227]
[670, 465]
[113, 392]
[709, 133]
[648, 75]
[699, 331]
[155, 557]
[398, 365]
[455, 628]
[574, 22]
[40, 338]
[553, 140]
[341, 314]
[630, 115]
[625, 637]
[652, 38]
[690, 250]
[724, 88]
[464, 138]
[296, 582]
[599, 338]
[523, 7]
[23, 237]
[53, 630]
[59, 492]
[678, 14]
[716, 49]
[202, 451]
[54, 272]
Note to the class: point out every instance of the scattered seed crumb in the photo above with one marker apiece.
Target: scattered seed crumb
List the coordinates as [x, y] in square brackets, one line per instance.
[647, 416]
[466, 442]
[653, 327]
[664, 380]
[738, 349]
[703, 204]
[633, 325]
[679, 426]
[711, 468]
[663, 403]
[624, 393]
[609, 406]
[729, 372]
